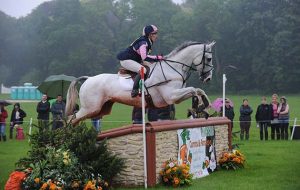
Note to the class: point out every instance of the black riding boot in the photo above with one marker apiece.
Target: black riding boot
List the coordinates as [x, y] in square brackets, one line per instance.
[4, 138]
[135, 89]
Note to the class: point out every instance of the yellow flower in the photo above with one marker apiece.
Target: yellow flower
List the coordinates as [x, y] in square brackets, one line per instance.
[106, 184]
[65, 153]
[66, 161]
[37, 180]
[75, 184]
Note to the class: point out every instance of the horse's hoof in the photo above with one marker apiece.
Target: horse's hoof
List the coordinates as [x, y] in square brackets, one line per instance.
[205, 101]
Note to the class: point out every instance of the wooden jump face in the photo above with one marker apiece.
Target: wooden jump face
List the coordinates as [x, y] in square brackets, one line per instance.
[154, 140]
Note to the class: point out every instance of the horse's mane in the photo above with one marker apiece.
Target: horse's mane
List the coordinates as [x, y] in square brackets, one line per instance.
[181, 47]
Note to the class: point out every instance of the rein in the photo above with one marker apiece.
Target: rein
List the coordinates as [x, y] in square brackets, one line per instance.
[190, 68]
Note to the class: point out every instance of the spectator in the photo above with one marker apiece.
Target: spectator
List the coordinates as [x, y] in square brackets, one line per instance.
[275, 126]
[43, 110]
[229, 112]
[17, 116]
[166, 113]
[96, 122]
[245, 119]
[263, 117]
[152, 114]
[3, 116]
[137, 116]
[283, 117]
[58, 111]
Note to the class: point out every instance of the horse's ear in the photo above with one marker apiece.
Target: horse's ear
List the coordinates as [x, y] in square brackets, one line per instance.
[212, 43]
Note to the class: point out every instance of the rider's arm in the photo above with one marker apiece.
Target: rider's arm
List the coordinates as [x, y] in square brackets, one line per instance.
[143, 52]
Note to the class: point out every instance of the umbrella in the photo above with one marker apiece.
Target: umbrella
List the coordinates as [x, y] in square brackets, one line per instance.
[55, 85]
[218, 104]
[4, 102]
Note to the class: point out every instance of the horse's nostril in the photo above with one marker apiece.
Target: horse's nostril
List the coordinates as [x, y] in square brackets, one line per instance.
[208, 79]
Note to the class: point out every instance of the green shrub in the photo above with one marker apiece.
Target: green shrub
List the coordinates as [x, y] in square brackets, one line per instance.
[88, 158]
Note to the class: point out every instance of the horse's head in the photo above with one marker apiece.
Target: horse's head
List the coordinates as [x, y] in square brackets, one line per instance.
[203, 61]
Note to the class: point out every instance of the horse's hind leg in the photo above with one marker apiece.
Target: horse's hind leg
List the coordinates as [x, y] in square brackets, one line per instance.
[83, 114]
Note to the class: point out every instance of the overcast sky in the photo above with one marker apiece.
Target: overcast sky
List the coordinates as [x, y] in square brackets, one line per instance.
[18, 8]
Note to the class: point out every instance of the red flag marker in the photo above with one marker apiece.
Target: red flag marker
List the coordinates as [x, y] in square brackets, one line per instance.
[142, 73]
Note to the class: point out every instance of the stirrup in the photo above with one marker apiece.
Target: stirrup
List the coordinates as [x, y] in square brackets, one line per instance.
[134, 93]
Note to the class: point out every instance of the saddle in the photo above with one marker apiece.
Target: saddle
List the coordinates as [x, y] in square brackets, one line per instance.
[129, 74]
[124, 72]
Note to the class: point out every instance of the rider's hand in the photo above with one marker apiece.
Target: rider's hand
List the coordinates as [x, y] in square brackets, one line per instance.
[159, 57]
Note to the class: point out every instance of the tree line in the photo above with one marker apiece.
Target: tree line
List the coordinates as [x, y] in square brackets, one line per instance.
[258, 42]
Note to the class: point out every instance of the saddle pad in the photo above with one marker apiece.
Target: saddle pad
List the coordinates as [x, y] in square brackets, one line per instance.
[126, 82]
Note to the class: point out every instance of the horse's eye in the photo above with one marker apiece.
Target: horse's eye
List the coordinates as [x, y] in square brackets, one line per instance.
[208, 59]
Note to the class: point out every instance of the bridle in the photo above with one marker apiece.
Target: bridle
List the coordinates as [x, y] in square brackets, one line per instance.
[190, 68]
[204, 63]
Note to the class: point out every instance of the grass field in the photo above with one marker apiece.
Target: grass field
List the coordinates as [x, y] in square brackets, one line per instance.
[270, 164]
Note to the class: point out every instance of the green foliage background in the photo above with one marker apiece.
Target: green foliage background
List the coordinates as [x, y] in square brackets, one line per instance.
[258, 42]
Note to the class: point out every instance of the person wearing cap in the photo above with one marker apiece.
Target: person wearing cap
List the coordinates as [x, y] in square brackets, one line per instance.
[137, 55]
[283, 118]
[3, 116]
[16, 118]
[58, 112]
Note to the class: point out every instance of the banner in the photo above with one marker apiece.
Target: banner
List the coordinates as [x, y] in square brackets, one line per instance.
[197, 148]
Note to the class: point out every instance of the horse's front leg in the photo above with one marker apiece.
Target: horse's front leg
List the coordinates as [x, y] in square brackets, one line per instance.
[179, 95]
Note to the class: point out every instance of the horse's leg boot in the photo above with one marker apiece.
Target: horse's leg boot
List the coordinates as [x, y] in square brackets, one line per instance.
[135, 89]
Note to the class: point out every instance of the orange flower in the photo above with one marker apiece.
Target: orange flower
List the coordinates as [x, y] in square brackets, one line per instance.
[166, 179]
[90, 186]
[184, 171]
[176, 181]
[99, 188]
[168, 171]
[52, 186]
[174, 169]
[44, 186]
[37, 180]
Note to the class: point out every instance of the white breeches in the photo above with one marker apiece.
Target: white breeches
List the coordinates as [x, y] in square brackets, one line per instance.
[133, 65]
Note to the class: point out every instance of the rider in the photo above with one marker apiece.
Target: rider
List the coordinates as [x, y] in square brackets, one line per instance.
[136, 55]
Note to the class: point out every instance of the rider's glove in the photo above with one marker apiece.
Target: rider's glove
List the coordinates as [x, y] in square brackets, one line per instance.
[159, 57]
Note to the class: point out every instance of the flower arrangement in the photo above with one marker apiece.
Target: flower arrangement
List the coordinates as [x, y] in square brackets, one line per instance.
[61, 170]
[232, 160]
[175, 174]
[68, 158]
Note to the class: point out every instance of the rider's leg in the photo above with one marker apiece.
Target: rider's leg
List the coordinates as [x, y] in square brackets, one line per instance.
[135, 67]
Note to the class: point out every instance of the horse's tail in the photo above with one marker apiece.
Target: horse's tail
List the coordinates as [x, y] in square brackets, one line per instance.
[72, 96]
